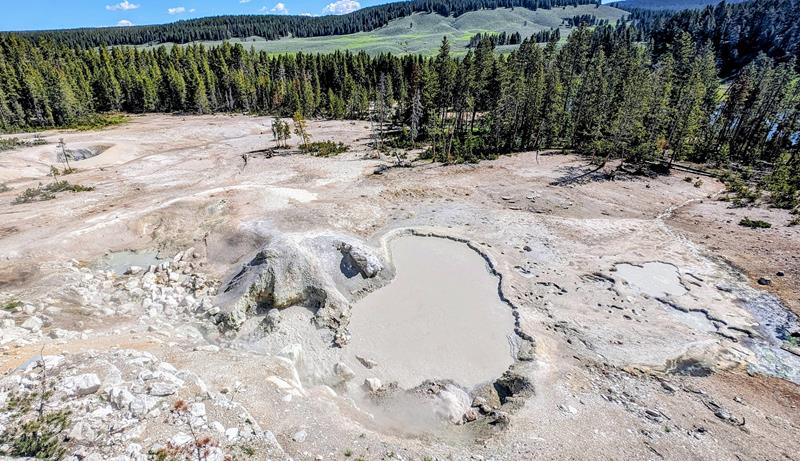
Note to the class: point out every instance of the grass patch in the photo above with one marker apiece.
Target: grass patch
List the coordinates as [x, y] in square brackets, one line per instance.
[99, 121]
[324, 148]
[754, 223]
[11, 305]
[43, 193]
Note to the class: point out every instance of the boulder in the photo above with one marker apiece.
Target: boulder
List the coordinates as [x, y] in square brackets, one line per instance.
[81, 385]
[120, 398]
[344, 372]
[372, 384]
[362, 259]
[33, 324]
[82, 432]
[163, 389]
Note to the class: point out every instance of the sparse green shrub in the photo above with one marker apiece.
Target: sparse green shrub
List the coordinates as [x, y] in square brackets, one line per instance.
[98, 121]
[324, 148]
[739, 192]
[34, 431]
[4, 188]
[15, 143]
[754, 223]
[11, 305]
[784, 183]
[48, 192]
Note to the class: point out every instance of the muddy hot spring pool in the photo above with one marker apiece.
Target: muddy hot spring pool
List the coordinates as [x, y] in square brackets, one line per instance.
[440, 318]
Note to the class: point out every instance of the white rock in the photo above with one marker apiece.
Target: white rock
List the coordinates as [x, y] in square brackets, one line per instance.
[180, 439]
[300, 436]
[121, 398]
[217, 426]
[134, 270]
[343, 371]
[373, 384]
[82, 432]
[163, 389]
[32, 324]
[81, 385]
[198, 410]
[142, 405]
[232, 433]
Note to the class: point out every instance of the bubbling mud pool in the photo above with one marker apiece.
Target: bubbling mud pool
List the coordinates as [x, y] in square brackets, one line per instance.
[440, 318]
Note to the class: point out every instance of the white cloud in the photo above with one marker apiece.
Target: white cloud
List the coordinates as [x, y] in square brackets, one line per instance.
[279, 8]
[308, 14]
[341, 7]
[179, 10]
[124, 23]
[124, 6]
[244, 1]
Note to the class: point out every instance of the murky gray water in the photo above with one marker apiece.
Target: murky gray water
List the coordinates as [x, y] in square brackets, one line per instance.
[654, 279]
[120, 261]
[440, 317]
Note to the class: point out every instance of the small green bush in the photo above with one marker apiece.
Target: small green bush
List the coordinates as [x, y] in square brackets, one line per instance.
[324, 148]
[98, 122]
[48, 192]
[754, 223]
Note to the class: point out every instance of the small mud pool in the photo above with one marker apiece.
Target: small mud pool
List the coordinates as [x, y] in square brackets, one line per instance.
[121, 261]
[440, 318]
[655, 279]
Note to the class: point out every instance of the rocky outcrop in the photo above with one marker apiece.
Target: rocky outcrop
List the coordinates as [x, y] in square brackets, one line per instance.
[285, 273]
[105, 413]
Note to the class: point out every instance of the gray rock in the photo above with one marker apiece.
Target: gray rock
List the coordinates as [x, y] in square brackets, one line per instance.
[343, 371]
[368, 364]
[33, 324]
[300, 436]
[163, 389]
[82, 432]
[364, 260]
[82, 385]
[120, 398]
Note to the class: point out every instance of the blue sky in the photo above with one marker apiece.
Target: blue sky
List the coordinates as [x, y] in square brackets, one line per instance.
[59, 14]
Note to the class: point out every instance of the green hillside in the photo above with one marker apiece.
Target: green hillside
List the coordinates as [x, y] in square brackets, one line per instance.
[421, 33]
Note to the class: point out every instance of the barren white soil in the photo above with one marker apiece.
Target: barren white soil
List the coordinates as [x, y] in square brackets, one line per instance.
[640, 330]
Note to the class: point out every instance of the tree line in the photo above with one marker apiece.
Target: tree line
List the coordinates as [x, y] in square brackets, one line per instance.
[273, 27]
[601, 92]
[738, 32]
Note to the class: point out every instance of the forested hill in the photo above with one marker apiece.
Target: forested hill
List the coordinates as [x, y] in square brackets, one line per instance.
[738, 32]
[273, 27]
[670, 5]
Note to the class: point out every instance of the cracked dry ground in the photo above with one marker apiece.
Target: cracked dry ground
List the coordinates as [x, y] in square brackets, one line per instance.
[616, 374]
